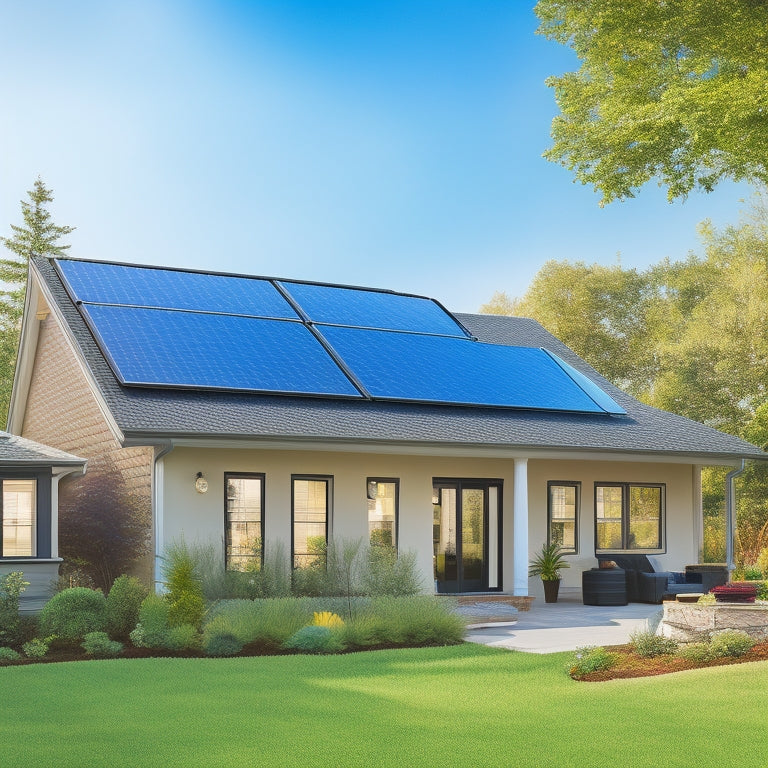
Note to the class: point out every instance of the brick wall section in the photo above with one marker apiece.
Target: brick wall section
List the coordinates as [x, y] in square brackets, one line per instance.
[62, 412]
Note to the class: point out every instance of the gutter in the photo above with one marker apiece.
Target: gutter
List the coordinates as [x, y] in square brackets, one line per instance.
[730, 516]
[157, 508]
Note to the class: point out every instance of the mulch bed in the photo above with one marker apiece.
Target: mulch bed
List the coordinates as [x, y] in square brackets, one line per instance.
[629, 664]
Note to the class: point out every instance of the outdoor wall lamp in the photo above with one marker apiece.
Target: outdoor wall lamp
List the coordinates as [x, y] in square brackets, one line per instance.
[201, 484]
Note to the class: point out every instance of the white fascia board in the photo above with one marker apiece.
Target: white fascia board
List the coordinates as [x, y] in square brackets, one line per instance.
[37, 288]
[441, 449]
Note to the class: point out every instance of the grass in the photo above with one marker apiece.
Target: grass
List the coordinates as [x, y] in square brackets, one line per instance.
[460, 705]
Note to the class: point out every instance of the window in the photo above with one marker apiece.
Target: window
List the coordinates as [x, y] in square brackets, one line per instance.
[629, 517]
[18, 511]
[310, 499]
[382, 510]
[563, 502]
[244, 521]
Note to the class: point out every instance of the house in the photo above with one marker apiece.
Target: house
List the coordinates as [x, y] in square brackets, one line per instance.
[246, 411]
[29, 479]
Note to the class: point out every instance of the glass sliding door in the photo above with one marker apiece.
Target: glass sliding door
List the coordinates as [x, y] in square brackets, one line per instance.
[466, 527]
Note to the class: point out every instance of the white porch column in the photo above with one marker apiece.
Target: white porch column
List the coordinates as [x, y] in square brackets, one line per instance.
[698, 513]
[520, 528]
[157, 493]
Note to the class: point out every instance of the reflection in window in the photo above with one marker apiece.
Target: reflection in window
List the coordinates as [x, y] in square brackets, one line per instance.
[629, 517]
[310, 520]
[244, 522]
[563, 513]
[382, 512]
[19, 514]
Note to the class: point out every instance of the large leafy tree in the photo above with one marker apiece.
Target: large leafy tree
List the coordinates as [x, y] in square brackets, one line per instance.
[669, 90]
[39, 235]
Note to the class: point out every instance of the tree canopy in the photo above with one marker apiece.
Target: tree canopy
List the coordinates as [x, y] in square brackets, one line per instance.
[669, 90]
[37, 235]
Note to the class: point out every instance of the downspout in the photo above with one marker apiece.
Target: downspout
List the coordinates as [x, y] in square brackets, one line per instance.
[730, 516]
[157, 509]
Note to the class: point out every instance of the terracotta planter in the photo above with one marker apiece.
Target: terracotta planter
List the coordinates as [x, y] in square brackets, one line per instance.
[551, 588]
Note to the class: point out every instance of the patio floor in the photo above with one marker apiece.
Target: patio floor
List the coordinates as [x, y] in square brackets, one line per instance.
[567, 625]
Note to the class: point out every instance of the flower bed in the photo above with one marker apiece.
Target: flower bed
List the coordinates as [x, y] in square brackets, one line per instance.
[737, 592]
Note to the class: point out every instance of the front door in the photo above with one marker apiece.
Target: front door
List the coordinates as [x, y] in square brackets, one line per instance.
[466, 535]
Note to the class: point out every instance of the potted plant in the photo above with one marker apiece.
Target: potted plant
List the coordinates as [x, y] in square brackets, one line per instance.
[548, 564]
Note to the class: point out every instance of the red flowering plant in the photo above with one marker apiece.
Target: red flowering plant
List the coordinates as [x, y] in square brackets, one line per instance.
[736, 592]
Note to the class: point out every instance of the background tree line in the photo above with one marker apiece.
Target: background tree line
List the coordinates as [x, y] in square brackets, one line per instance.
[688, 336]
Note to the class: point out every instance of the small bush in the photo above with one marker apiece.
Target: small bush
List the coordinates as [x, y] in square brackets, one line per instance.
[36, 648]
[11, 587]
[327, 619]
[762, 563]
[708, 599]
[123, 603]
[186, 604]
[221, 644]
[184, 637]
[98, 644]
[591, 659]
[313, 639]
[730, 642]
[649, 644]
[8, 654]
[73, 613]
[696, 652]
[389, 574]
[762, 590]
[152, 629]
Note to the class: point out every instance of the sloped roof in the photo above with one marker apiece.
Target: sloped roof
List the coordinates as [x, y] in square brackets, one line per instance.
[18, 451]
[154, 414]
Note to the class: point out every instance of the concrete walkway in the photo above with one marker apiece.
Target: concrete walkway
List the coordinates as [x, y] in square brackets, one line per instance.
[567, 625]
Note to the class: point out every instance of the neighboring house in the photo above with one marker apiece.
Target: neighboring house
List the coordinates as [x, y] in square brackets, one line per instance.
[29, 480]
[247, 411]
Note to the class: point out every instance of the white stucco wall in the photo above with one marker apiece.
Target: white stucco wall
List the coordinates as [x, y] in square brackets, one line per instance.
[201, 516]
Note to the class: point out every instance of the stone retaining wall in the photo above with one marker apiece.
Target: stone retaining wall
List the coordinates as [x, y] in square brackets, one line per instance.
[692, 623]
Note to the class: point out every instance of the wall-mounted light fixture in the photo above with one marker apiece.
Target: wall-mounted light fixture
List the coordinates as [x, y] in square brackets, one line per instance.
[201, 484]
[373, 489]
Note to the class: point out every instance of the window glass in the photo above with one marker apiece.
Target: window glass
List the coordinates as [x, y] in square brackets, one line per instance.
[19, 518]
[563, 515]
[629, 517]
[310, 521]
[382, 512]
[244, 522]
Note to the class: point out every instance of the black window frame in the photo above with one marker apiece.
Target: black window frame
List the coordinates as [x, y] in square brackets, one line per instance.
[328, 508]
[243, 476]
[576, 484]
[396, 482]
[42, 478]
[626, 487]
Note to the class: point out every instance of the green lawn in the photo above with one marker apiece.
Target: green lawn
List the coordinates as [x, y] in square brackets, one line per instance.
[462, 706]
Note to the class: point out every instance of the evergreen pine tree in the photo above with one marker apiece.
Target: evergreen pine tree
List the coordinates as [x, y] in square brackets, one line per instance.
[38, 235]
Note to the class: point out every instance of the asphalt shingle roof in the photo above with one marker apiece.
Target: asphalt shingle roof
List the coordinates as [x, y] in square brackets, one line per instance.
[18, 451]
[144, 413]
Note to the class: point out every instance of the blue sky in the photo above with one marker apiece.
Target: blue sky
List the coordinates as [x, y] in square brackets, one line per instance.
[392, 144]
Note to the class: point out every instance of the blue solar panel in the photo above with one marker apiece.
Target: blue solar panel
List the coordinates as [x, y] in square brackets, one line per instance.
[195, 350]
[397, 366]
[372, 309]
[103, 283]
[606, 402]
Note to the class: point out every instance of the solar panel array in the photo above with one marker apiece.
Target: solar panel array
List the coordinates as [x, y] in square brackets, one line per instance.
[193, 330]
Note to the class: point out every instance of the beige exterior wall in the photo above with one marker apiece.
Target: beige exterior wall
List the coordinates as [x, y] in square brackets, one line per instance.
[201, 516]
[61, 411]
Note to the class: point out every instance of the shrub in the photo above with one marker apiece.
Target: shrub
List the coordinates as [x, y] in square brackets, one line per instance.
[708, 599]
[327, 619]
[184, 637]
[762, 591]
[36, 648]
[730, 642]
[152, 629]
[389, 574]
[407, 621]
[762, 563]
[186, 604]
[73, 613]
[8, 654]
[98, 644]
[123, 603]
[11, 587]
[696, 652]
[221, 644]
[649, 644]
[752, 573]
[314, 639]
[591, 659]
